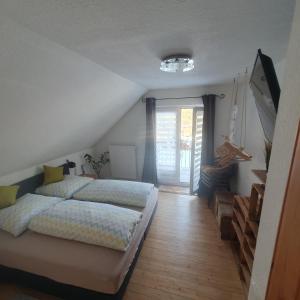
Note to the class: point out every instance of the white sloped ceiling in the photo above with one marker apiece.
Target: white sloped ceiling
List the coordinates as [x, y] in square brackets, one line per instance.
[57, 98]
[130, 37]
[53, 101]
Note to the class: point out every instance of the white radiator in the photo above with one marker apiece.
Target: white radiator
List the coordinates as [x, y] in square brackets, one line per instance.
[123, 161]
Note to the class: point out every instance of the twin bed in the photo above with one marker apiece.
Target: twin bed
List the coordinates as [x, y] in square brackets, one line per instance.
[81, 248]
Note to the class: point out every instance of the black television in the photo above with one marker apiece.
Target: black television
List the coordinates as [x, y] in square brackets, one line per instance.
[266, 91]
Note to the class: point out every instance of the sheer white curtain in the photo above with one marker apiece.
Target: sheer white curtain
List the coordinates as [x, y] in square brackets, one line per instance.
[169, 142]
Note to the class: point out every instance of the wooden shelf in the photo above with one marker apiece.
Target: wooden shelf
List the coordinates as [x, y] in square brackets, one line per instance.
[248, 256]
[238, 232]
[251, 243]
[246, 201]
[241, 201]
[260, 189]
[240, 219]
[245, 221]
[246, 275]
[254, 227]
[261, 174]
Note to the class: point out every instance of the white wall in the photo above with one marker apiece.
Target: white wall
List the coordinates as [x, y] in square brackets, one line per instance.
[131, 129]
[222, 105]
[34, 170]
[254, 141]
[283, 144]
[52, 101]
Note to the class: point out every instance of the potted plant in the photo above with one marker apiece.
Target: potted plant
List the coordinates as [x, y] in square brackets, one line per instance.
[97, 164]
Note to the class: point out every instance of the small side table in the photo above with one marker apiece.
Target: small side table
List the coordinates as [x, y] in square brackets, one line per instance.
[224, 210]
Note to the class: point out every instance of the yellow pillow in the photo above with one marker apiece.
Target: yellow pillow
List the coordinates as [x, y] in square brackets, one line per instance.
[8, 195]
[53, 174]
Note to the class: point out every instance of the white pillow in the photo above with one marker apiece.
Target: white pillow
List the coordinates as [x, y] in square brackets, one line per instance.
[64, 189]
[15, 219]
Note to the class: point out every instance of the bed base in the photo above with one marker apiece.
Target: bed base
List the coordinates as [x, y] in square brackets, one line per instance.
[66, 291]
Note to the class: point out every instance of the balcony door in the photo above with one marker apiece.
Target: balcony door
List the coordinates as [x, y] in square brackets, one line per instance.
[167, 124]
[175, 129]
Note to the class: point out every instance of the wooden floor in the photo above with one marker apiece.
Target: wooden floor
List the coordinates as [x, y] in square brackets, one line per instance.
[174, 189]
[182, 257]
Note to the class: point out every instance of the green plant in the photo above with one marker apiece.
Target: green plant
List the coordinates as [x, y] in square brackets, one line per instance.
[268, 150]
[97, 164]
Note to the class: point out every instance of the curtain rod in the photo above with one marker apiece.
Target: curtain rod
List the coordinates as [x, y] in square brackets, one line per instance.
[221, 96]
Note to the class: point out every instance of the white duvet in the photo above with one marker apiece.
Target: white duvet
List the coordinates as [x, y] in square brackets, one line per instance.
[15, 219]
[65, 188]
[121, 192]
[92, 223]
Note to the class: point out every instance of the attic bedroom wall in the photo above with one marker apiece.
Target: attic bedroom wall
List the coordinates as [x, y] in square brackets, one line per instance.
[131, 129]
[282, 152]
[29, 172]
[254, 140]
[53, 102]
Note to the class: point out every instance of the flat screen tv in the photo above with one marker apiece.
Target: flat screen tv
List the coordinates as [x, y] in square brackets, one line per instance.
[266, 91]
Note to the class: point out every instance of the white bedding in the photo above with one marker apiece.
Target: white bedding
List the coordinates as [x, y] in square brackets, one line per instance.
[121, 192]
[92, 223]
[64, 189]
[15, 219]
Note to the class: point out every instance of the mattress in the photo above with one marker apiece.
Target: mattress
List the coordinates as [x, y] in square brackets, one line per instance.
[87, 266]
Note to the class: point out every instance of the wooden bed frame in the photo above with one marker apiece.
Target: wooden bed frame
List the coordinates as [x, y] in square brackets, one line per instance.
[52, 287]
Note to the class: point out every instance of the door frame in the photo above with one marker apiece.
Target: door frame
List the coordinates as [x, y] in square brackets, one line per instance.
[193, 151]
[192, 173]
[283, 279]
[171, 180]
[178, 109]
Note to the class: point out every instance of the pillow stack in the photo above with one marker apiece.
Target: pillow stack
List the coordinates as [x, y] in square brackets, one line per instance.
[8, 195]
[53, 174]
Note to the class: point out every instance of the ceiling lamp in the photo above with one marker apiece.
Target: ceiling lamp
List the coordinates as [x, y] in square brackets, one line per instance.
[177, 63]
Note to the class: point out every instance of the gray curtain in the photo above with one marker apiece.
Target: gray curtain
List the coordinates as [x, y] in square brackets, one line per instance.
[150, 172]
[208, 135]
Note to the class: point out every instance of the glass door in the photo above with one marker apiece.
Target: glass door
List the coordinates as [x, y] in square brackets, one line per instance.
[166, 145]
[186, 138]
[173, 145]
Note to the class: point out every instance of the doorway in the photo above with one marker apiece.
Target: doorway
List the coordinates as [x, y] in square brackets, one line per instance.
[284, 280]
[178, 147]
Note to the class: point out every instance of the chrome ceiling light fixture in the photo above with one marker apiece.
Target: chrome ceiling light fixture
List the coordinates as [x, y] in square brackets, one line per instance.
[177, 63]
